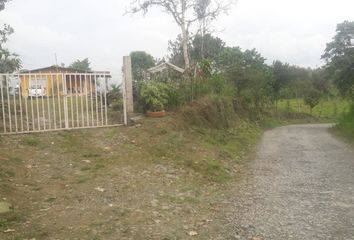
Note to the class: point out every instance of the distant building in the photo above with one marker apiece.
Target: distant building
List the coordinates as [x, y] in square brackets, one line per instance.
[56, 80]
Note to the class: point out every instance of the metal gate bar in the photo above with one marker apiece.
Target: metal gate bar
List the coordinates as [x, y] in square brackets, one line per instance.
[42, 102]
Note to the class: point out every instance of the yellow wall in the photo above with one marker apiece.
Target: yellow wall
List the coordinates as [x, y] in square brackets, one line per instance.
[56, 80]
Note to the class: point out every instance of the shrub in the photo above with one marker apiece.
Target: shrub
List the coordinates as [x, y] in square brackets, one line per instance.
[154, 95]
[346, 124]
[211, 111]
[312, 98]
[115, 98]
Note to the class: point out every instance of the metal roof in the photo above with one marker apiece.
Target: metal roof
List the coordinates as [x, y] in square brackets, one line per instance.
[163, 66]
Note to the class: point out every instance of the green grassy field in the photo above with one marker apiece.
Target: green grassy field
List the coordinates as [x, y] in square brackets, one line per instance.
[331, 109]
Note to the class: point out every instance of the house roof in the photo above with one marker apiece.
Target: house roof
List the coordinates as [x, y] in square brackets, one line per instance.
[161, 67]
[56, 69]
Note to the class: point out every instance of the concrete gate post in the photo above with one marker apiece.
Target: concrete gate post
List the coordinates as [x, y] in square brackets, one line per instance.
[128, 89]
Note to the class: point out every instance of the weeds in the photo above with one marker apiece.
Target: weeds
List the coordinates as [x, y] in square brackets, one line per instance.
[31, 141]
[345, 126]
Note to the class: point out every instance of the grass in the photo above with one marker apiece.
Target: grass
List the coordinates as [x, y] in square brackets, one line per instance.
[182, 162]
[345, 127]
[329, 109]
[183, 166]
[31, 141]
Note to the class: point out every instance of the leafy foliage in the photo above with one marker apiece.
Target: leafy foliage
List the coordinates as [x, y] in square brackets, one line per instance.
[281, 77]
[2, 4]
[201, 47]
[9, 62]
[154, 95]
[185, 13]
[115, 97]
[339, 55]
[346, 125]
[313, 98]
[141, 61]
[83, 65]
[247, 70]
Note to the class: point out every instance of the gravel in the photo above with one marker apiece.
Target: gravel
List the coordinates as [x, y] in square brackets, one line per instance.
[301, 186]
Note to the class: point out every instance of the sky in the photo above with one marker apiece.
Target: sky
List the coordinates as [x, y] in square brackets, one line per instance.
[291, 31]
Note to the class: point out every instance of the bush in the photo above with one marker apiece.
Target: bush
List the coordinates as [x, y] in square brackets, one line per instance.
[312, 98]
[346, 124]
[154, 95]
[115, 98]
[211, 111]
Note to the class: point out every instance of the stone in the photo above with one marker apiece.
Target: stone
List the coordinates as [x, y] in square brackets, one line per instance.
[137, 120]
[165, 207]
[9, 231]
[192, 233]
[5, 207]
[154, 203]
[100, 189]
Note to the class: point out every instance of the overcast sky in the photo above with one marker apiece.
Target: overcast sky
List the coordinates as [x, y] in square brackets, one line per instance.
[288, 30]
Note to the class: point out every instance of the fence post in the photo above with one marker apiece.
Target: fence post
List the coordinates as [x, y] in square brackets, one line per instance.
[65, 98]
[127, 88]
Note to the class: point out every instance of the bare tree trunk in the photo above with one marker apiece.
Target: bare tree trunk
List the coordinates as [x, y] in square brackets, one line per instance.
[185, 37]
[203, 28]
[185, 47]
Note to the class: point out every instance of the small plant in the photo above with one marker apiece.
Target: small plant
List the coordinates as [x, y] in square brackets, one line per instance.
[313, 98]
[115, 97]
[154, 96]
[30, 141]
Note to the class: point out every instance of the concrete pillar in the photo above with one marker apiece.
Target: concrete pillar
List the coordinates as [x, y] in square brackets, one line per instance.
[128, 84]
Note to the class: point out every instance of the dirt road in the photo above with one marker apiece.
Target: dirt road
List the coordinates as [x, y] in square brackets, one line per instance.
[301, 186]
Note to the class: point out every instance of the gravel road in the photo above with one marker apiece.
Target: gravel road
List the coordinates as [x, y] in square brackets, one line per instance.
[301, 186]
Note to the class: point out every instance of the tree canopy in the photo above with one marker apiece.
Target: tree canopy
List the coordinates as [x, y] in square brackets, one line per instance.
[200, 47]
[141, 61]
[2, 4]
[339, 55]
[185, 13]
[83, 65]
[9, 62]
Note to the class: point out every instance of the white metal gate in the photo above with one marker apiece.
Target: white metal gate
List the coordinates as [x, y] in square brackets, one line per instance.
[38, 102]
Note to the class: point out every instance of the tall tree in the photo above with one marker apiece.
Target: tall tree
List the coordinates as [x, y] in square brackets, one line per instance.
[281, 77]
[83, 65]
[9, 62]
[248, 72]
[184, 13]
[206, 46]
[339, 55]
[2, 4]
[141, 61]
[175, 50]
[212, 47]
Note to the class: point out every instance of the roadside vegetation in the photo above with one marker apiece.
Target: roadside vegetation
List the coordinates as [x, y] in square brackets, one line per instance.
[345, 127]
[339, 55]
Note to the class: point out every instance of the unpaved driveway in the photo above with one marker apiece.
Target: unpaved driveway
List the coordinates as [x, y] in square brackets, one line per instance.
[301, 186]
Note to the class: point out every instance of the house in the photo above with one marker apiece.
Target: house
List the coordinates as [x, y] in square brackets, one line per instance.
[165, 72]
[163, 67]
[56, 80]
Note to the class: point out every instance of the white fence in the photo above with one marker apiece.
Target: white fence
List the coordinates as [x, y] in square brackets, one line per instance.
[38, 102]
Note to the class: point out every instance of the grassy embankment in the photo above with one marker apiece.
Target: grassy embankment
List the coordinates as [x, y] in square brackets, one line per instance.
[161, 179]
[345, 127]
